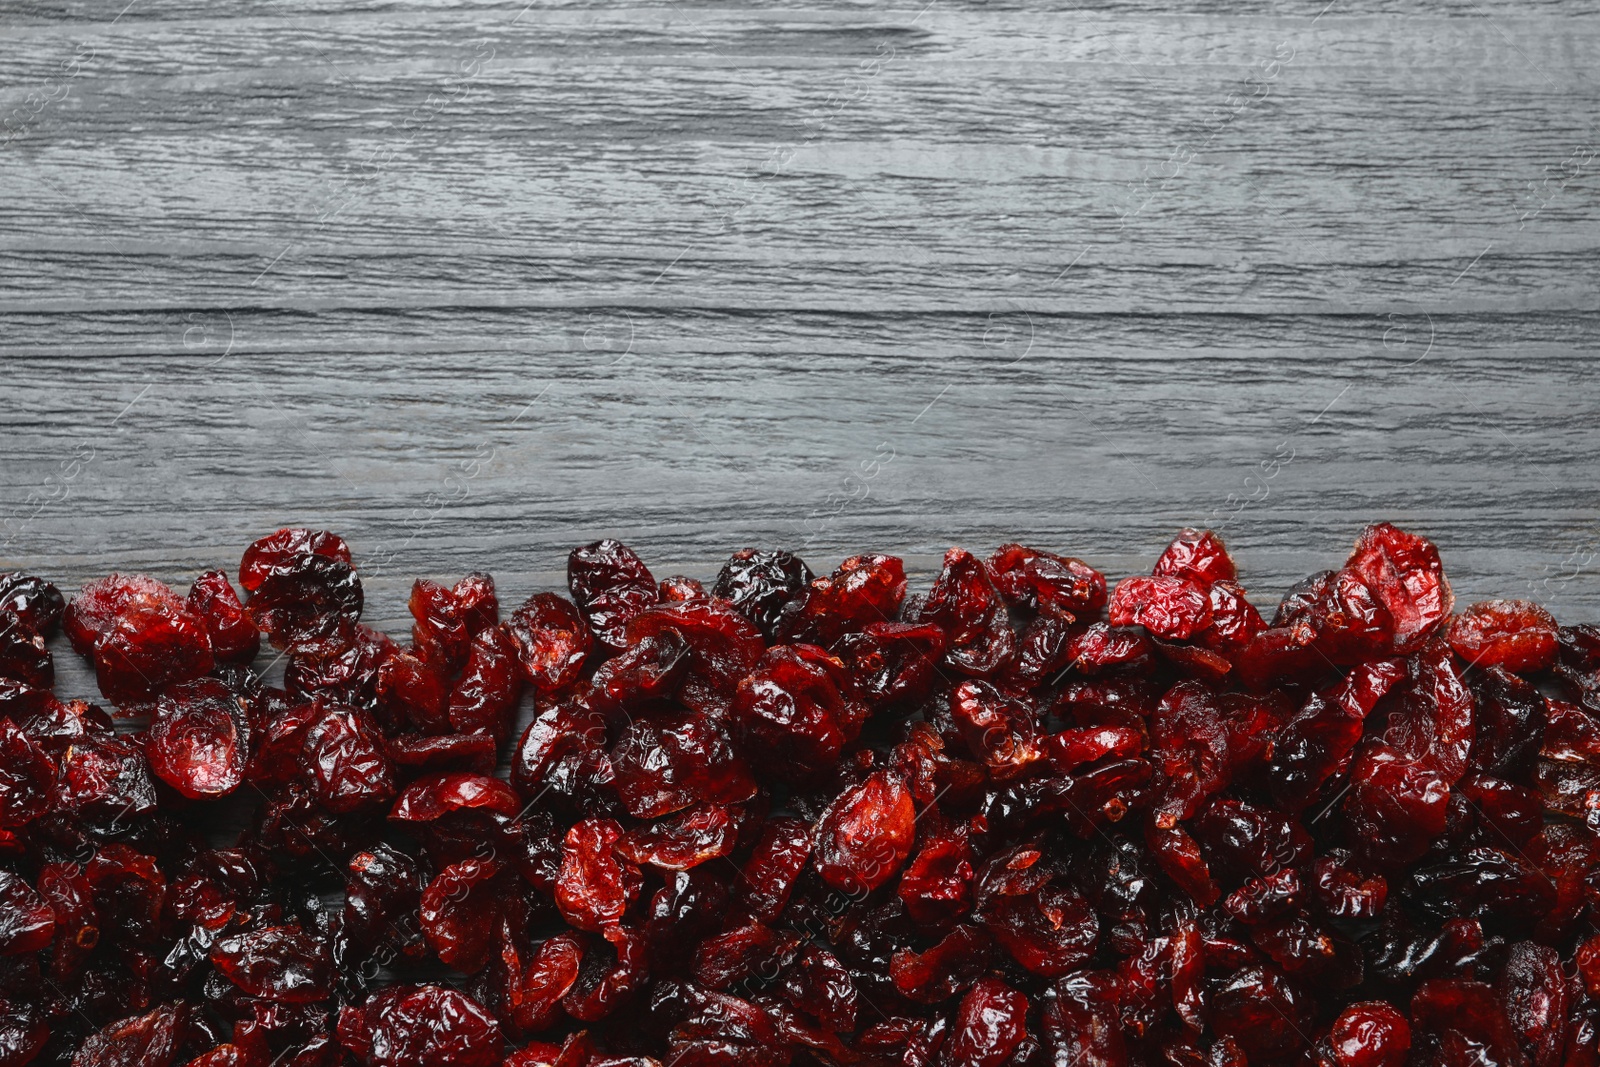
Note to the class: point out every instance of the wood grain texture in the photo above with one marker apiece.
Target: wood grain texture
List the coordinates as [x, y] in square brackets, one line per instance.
[475, 283]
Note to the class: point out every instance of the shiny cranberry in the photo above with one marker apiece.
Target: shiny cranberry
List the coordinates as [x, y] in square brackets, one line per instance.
[611, 585]
[421, 1026]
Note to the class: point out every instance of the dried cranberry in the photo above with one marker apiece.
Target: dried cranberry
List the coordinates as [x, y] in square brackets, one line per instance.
[199, 739]
[1033, 578]
[459, 912]
[665, 766]
[791, 711]
[344, 755]
[27, 923]
[305, 597]
[1171, 607]
[1513, 634]
[1404, 573]
[552, 641]
[420, 1026]
[611, 585]
[282, 963]
[865, 836]
[760, 585]
[1371, 1034]
[233, 633]
[864, 590]
[594, 887]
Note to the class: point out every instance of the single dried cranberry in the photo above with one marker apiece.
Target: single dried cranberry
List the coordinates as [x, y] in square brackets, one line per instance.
[891, 666]
[1198, 555]
[682, 841]
[199, 739]
[611, 585]
[23, 655]
[383, 894]
[283, 963]
[1258, 1008]
[234, 637]
[276, 548]
[344, 754]
[937, 884]
[670, 764]
[760, 585]
[36, 603]
[1000, 731]
[865, 836]
[1404, 573]
[342, 668]
[989, 1026]
[552, 641]
[594, 887]
[1371, 1034]
[305, 597]
[1102, 647]
[535, 989]
[1169, 607]
[775, 863]
[414, 691]
[27, 923]
[791, 712]
[965, 604]
[149, 1040]
[1514, 634]
[1033, 578]
[723, 647]
[459, 912]
[864, 590]
[27, 777]
[147, 647]
[420, 1026]
[484, 699]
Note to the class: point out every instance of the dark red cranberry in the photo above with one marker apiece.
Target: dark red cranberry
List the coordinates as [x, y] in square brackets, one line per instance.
[199, 739]
[611, 585]
[233, 633]
[760, 585]
[420, 1026]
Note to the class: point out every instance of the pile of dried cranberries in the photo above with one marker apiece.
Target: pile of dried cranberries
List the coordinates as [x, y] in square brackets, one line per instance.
[1019, 820]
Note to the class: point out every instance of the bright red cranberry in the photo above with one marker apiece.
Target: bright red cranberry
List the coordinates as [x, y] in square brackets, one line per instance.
[1170, 607]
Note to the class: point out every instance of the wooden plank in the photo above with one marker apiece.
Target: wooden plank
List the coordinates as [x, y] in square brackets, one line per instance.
[475, 284]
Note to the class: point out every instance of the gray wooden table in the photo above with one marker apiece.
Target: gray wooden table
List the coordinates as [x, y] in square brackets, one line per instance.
[474, 283]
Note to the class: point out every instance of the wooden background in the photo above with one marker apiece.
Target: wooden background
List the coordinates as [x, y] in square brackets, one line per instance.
[472, 283]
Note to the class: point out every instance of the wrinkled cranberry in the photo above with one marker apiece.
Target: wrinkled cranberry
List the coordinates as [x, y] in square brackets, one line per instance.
[199, 739]
[1171, 607]
[864, 838]
[1513, 634]
[305, 597]
[611, 585]
[34, 602]
[760, 584]
[791, 711]
[233, 633]
[282, 963]
[459, 911]
[344, 755]
[594, 887]
[420, 1026]
[27, 922]
[148, 1040]
[1371, 1034]
[276, 548]
[864, 590]
[1404, 573]
[552, 641]
[681, 841]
